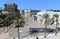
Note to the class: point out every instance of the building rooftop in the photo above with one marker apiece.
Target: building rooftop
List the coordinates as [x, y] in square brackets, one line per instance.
[9, 3]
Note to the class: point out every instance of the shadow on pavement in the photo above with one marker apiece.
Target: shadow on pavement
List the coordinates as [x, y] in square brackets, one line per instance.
[41, 30]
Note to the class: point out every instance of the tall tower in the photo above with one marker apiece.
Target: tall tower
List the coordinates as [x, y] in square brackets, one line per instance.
[10, 7]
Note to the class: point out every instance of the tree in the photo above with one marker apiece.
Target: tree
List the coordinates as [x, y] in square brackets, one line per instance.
[14, 18]
[3, 17]
[18, 19]
[56, 16]
[45, 16]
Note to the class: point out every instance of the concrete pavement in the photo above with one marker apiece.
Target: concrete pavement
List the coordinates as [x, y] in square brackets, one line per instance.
[24, 31]
[5, 36]
[4, 33]
[53, 37]
[1, 30]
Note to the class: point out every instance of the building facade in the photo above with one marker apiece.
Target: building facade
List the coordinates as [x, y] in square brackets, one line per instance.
[39, 15]
[10, 7]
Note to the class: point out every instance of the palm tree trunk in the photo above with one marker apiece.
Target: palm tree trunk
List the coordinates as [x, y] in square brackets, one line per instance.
[18, 29]
[45, 30]
[56, 30]
[56, 26]
[45, 26]
[18, 33]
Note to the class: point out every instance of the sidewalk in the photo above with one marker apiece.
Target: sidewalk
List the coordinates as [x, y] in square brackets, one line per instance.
[1, 30]
[5, 36]
[53, 37]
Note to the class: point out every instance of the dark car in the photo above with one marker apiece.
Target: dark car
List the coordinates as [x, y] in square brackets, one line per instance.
[1, 24]
[5, 24]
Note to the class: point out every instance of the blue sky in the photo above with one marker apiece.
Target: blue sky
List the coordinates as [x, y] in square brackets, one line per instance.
[33, 4]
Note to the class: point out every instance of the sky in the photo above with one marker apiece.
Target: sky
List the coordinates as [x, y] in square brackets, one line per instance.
[34, 4]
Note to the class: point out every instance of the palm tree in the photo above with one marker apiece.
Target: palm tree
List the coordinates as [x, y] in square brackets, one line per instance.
[3, 17]
[56, 16]
[15, 18]
[18, 19]
[45, 16]
[9, 21]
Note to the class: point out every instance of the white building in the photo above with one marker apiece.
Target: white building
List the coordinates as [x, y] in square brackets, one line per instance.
[38, 17]
[5, 12]
[27, 12]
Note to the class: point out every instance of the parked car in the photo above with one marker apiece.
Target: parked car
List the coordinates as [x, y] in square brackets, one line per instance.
[1, 24]
[5, 24]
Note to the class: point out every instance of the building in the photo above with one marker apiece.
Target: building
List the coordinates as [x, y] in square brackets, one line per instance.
[22, 12]
[39, 18]
[11, 7]
[34, 12]
[28, 13]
